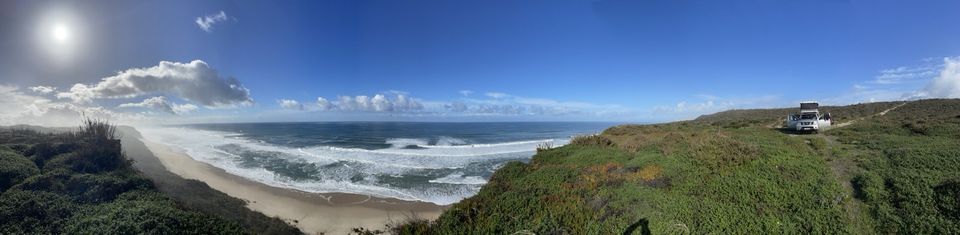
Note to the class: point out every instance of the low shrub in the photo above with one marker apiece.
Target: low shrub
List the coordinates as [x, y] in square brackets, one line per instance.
[592, 140]
[947, 197]
[14, 168]
[86, 185]
[34, 212]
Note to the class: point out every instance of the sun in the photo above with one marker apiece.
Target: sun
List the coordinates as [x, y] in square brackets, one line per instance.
[60, 33]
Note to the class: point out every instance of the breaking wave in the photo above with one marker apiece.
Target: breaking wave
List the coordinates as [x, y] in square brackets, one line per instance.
[443, 170]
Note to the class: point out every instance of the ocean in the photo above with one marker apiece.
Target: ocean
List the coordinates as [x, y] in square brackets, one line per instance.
[441, 163]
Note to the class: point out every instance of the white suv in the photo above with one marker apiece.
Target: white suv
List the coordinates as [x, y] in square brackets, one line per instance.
[809, 118]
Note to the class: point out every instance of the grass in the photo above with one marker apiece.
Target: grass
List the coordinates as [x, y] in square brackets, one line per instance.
[910, 167]
[732, 172]
[709, 182]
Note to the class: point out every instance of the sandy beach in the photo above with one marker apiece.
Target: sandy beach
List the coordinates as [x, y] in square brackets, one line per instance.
[313, 213]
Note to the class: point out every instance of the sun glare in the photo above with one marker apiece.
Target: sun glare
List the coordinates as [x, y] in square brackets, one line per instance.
[61, 33]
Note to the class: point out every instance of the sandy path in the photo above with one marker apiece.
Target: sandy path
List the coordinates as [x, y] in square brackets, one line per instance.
[884, 112]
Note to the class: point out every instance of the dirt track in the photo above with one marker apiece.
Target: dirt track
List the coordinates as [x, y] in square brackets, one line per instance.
[884, 112]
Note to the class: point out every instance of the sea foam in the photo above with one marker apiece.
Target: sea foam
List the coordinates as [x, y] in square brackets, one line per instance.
[411, 169]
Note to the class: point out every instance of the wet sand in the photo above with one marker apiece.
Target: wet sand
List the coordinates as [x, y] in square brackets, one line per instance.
[313, 213]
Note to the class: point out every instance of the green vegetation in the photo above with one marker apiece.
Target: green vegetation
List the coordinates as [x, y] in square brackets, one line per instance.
[732, 172]
[894, 169]
[80, 182]
[911, 167]
[15, 168]
[774, 117]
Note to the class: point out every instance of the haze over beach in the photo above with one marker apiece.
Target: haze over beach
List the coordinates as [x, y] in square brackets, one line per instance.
[437, 117]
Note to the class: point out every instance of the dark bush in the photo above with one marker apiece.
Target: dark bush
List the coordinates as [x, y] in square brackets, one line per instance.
[94, 158]
[95, 188]
[42, 152]
[49, 181]
[592, 140]
[918, 127]
[33, 212]
[146, 217]
[14, 168]
[20, 148]
[948, 199]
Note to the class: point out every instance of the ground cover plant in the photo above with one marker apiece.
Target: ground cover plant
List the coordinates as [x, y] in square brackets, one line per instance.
[733, 172]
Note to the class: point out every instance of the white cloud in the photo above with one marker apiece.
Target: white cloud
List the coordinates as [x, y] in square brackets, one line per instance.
[43, 89]
[931, 79]
[466, 92]
[377, 103]
[496, 95]
[456, 107]
[161, 103]
[14, 104]
[324, 104]
[290, 104]
[194, 81]
[403, 102]
[906, 74]
[207, 22]
[946, 85]
[79, 93]
[183, 108]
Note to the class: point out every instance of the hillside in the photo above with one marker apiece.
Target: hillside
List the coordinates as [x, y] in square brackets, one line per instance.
[80, 182]
[774, 117]
[733, 172]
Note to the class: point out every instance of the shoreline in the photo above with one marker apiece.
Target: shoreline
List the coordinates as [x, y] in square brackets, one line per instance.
[312, 213]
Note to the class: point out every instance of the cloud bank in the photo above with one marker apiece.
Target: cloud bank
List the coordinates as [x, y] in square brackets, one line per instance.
[376, 103]
[17, 107]
[194, 81]
[207, 22]
[502, 104]
[507, 109]
[931, 79]
[43, 89]
[491, 105]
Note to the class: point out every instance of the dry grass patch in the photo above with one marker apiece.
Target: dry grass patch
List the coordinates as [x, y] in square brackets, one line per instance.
[649, 173]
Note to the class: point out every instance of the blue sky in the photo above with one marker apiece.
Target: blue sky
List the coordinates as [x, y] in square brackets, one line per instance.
[633, 61]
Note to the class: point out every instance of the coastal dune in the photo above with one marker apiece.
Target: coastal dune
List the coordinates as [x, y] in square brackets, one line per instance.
[313, 213]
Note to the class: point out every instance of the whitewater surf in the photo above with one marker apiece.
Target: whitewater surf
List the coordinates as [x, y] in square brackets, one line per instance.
[437, 163]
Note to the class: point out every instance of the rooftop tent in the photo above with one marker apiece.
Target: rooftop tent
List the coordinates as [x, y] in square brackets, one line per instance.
[809, 105]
